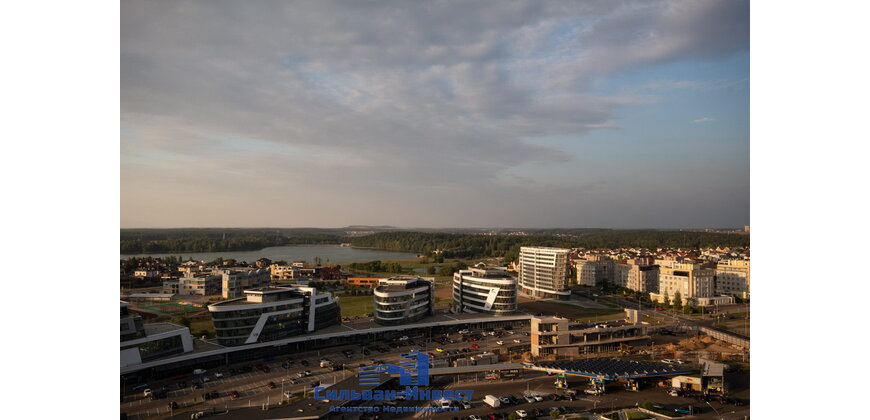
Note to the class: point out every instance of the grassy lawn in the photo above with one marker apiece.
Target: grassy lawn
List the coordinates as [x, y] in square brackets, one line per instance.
[355, 305]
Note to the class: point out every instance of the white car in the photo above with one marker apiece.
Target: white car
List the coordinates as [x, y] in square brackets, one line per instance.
[403, 338]
[147, 392]
[473, 417]
[679, 362]
[529, 398]
[465, 404]
[538, 397]
[522, 413]
[499, 342]
[218, 375]
[205, 379]
[517, 341]
[668, 361]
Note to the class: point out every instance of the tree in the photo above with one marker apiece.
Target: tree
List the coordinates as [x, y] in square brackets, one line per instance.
[666, 300]
[554, 413]
[678, 301]
[513, 416]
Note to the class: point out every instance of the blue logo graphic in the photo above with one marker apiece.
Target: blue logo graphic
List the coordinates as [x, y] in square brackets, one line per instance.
[413, 370]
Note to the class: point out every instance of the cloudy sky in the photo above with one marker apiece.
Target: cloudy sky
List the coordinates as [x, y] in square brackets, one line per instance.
[435, 114]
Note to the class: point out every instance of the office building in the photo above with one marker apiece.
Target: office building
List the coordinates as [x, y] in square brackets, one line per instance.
[398, 300]
[273, 313]
[482, 289]
[544, 272]
[144, 342]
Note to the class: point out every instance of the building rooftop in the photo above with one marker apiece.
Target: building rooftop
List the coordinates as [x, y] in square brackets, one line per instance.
[161, 327]
[611, 368]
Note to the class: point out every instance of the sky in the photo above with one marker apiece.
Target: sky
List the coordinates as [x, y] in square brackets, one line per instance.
[609, 114]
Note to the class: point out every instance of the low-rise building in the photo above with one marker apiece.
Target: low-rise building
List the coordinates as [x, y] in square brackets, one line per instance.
[199, 284]
[482, 289]
[398, 300]
[273, 313]
[559, 338]
[732, 278]
[688, 279]
[234, 281]
[370, 282]
[143, 342]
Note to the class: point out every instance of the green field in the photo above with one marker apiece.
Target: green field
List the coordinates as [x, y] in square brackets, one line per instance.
[356, 305]
[571, 311]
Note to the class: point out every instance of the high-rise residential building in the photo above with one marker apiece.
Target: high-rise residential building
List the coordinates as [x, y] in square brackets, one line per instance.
[398, 300]
[732, 278]
[482, 289]
[690, 279]
[234, 281]
[544, 272]
[273, 313]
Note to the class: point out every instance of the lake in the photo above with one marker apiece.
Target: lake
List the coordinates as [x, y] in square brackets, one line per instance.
[290, 253]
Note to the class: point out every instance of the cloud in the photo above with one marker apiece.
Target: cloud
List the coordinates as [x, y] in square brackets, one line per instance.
[422, 94]
[704, 119]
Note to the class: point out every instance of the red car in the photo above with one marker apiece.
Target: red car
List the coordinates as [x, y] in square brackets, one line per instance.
[475, 346]
[431, 354]
[234, 394]
[659, 309]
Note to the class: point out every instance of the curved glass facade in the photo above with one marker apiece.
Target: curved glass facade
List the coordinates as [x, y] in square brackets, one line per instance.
[484, 289]
[398, 301]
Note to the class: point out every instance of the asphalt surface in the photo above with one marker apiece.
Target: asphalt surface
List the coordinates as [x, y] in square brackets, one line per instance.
[252, 386]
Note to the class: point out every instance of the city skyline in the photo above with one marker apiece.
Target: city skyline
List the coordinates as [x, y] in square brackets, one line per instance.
[594, 114]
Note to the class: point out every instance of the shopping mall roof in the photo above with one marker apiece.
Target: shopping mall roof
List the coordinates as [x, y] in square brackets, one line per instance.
[609, 369]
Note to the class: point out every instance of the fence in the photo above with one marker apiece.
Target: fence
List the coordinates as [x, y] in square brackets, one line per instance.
[727, 337]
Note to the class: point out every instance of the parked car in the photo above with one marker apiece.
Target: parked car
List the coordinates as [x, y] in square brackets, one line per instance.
[218, 375]
[147, 392]
[537, 397]
[271, 385]
[499, 342]
[529, 398]
[234, 394]
[475, 346]
[173, 405]
[522, 413]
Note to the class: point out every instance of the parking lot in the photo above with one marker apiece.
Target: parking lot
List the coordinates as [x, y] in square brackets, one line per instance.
[544, 387]
[252, 386]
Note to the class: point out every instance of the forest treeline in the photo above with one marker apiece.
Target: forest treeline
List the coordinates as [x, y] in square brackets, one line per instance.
[219, 241]
[475, 246]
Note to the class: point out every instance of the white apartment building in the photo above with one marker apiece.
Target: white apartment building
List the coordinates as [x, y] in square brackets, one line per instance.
[596, 271]
[482, 289]
[732, 278]
[544, 272]
[234, 281]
